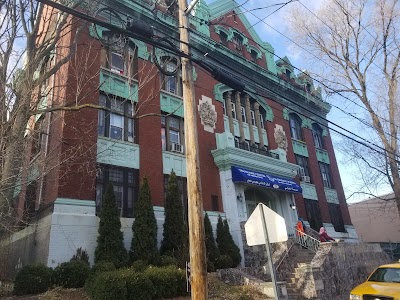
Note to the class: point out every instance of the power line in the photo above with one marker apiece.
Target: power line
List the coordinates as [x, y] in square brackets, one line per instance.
[323, 84]
[207, 67]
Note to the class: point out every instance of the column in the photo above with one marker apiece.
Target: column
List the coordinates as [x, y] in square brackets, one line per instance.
[228, 108]
[248, 117]
[239, 117]
[257, 116]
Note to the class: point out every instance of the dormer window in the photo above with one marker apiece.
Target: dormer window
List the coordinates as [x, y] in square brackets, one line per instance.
[254, 56]
[223, 37]
[308, 87]
[288, 74]
[237, 42]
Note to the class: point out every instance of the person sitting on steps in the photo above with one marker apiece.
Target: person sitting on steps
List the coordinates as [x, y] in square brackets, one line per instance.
[323, 235]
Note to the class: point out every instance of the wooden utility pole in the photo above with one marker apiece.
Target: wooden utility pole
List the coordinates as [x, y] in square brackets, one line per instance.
[198, 265]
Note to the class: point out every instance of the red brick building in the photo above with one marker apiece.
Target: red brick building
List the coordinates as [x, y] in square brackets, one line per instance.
[268, 144]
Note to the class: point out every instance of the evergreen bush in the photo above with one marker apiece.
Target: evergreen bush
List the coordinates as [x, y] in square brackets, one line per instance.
[168, 282]
[144, 228]
[71, 274]
[166, 260]
[107, 286]
[224, 262]
[81, 255]
[225, 242]
[138, 286]
[103, 266]
[139, 265]
[110, 241]
[175, 238]
[211, 248]
[33, 279]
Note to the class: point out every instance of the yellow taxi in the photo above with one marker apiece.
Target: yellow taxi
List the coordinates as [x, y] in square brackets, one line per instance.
[382, 284]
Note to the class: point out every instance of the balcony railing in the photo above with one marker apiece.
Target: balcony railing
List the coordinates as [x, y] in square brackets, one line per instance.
[256, 149]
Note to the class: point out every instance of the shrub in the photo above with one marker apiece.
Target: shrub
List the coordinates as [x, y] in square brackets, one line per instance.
[224, 262]
[110, 241]
[166, 260]
[226, 245]
[71, 274]
[103, 266]
[144, 228]
[107, 286]
[139, 265]
[210, 266]
[175, 235]
[33, 279]
[211, 248]
[168, 282]
[81, 255]
[138, 286]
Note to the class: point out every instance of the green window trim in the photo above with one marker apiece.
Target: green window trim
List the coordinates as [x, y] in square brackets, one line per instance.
[324, 128]
[258, 51]
[305, 122]
[229, 33]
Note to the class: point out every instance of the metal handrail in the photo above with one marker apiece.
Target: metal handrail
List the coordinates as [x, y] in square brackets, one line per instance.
[286, 254]
[312, 232]
[306, 240]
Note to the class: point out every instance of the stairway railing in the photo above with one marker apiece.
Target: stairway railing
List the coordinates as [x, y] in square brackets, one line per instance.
[312, 232]
[306, 240]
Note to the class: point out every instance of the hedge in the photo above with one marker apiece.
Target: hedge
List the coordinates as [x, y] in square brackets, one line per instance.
[71, 274]
[33, 279]
[126, 284]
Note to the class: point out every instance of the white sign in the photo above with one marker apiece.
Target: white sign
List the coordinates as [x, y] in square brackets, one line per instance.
[275, 224]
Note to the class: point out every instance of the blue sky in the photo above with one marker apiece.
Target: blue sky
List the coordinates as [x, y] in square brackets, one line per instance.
[274, 29]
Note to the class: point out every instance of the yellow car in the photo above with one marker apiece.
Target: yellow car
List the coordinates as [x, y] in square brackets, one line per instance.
[382, 284]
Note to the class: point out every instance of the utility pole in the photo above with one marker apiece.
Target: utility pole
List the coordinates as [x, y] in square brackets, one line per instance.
[198, 265]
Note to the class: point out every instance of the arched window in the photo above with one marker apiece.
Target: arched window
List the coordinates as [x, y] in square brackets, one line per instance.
[295, 127]
[317, 136]
[237, 42]
[223, 37]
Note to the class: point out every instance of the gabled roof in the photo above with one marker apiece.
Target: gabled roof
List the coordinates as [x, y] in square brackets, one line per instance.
[219, 8]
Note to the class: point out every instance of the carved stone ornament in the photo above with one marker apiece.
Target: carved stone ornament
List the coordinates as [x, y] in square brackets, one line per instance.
[207, 112]
[280, 137]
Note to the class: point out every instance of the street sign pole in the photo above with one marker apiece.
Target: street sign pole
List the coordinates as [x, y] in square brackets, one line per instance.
[269, 252]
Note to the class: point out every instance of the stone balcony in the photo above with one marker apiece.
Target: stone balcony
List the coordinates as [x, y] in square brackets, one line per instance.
[227, 155]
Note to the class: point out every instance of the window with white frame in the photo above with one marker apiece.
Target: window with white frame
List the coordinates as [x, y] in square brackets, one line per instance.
[262, 121]
[253, 117]
[295, 127]
[325, 174]
[243, 112]
[125, 185]
[233, 107]
[237, 42]
[116, 124]
[172, 84]
[172, 138]
[317, 136]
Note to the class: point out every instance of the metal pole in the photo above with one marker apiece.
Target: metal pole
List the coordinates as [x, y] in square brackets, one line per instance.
[198, 265]
[269, 254]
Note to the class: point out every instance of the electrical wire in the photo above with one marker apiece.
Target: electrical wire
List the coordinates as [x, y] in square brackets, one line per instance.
[163, 46]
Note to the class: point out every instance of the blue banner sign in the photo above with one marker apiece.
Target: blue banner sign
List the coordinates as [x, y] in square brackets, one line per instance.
[265, 180]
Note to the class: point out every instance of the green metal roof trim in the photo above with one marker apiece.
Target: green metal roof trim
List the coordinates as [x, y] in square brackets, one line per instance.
[221, 7]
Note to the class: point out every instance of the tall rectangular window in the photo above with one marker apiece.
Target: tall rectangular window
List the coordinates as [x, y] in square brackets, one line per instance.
[243, 112]
[172, 84]
[325, 174]
[125, 184]
[172, 134]
[115, 124]
[233, 108]
[302, 161]
[253, 117]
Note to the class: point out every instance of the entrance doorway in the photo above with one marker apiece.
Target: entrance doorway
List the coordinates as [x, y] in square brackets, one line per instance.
[313, 214]
[254, 196]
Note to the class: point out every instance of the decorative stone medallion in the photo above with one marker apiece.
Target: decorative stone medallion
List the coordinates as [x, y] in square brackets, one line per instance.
[207, 112]
[280, 137]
